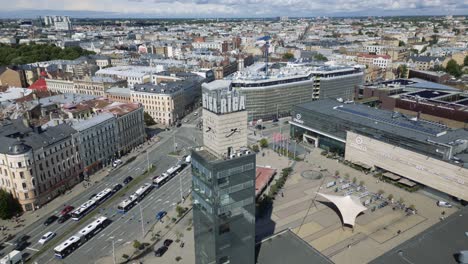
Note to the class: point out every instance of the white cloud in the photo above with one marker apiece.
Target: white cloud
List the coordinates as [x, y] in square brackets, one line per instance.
[233, 8]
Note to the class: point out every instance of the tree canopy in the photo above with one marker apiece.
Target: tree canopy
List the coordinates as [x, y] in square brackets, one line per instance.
[453, 68]
[9, 206]
[320, 57]
[149, 121]
[29, 53]
[465, 61]
[288, 56]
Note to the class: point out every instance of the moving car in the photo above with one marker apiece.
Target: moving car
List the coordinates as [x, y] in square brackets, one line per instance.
[117, 187]
[50, 220]
[21, 242]
[46, 237]
[160, 251]
[92, 196]
[444, 204]
[63, 218]
[168, 242]
[127, 180]
[160, 215]
[67, 210]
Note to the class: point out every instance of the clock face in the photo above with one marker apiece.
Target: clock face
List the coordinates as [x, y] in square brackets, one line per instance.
[232, 132]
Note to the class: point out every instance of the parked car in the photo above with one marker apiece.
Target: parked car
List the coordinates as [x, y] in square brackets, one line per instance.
[275, 120]
[67, 210]
[63, 218]
[46, 237]
[50, 220]
[160, 215]
[168, 242]
[117, 187]
[444, 204]
[116, 163]
[127, 180]
[160, 251]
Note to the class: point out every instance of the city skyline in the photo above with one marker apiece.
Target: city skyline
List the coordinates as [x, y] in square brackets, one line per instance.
[230, 8]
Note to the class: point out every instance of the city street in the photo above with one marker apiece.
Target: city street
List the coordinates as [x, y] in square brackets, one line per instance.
[159, 199]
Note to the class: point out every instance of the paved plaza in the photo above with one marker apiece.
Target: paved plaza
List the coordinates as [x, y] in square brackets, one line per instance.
[318, 222]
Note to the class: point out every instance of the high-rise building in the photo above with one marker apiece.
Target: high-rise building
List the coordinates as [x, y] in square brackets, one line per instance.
[224, 182]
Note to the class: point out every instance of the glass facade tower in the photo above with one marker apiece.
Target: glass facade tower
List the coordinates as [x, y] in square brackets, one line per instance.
[224, 208]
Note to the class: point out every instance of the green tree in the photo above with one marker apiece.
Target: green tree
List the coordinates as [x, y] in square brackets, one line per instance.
[136, 244]
[453, 68]
[255, 148]
[402, 71]
[354, 180]
[465, 61]
[28, 53]
[180, 210]
[9, 206]
[263, 143]
[288, 56]
[401, 43]
[149, 121]
[423, 39]
[320, 57]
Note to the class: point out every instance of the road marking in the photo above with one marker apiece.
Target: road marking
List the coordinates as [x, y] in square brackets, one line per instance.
[159, 200]
[113, 230]
[166, 202]
[122, 234]
[33, 249]
[174, 204]
[8, 243]
[88, 250]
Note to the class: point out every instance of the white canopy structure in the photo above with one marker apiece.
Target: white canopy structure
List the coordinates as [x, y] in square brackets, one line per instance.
[349, 206]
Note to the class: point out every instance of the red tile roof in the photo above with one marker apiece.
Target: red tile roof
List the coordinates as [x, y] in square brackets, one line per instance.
[262, 178]
[39, 85]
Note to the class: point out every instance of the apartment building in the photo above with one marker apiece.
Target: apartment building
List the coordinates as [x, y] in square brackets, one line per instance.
[60, 86]
[99, 130]
[96, 85]
[38, 165]
[381, 61]
[170, 98]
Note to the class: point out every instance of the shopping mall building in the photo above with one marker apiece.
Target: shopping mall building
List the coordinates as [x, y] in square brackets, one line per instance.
[425, 152]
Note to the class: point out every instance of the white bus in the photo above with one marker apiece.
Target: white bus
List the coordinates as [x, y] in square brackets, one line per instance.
[127, 204]
[75, 241]
[83, 210]
[103, 195]
[169, 174]
[139, 194]
[89, 205]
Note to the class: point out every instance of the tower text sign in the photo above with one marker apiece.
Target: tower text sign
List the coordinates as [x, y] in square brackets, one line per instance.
[223, 103]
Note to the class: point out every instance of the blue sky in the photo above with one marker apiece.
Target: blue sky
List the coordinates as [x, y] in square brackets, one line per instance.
[232, 8]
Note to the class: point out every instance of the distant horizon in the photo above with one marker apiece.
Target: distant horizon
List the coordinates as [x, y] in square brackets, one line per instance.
[200, 9]
[34, 14]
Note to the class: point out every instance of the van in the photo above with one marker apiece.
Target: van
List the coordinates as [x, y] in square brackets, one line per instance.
[444, 204]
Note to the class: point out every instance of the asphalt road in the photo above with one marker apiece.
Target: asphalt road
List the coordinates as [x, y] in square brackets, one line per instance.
[184, 137]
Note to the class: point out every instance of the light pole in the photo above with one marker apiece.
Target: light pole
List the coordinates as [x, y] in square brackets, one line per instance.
[181, 192]
[142, 223]
[147, 160]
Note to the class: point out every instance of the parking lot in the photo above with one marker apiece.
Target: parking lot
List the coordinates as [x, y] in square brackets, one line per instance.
[385, 224]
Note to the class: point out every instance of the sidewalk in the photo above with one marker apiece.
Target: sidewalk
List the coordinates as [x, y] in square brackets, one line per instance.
[55, 205]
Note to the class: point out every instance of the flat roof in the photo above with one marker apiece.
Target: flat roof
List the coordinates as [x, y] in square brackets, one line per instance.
[392, 122]
[287, 247]
[438, 244]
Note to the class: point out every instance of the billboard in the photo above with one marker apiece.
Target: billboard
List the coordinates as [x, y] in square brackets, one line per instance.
[437, 174]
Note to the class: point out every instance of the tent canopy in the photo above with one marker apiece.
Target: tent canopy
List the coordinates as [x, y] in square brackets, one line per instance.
[349, 206]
